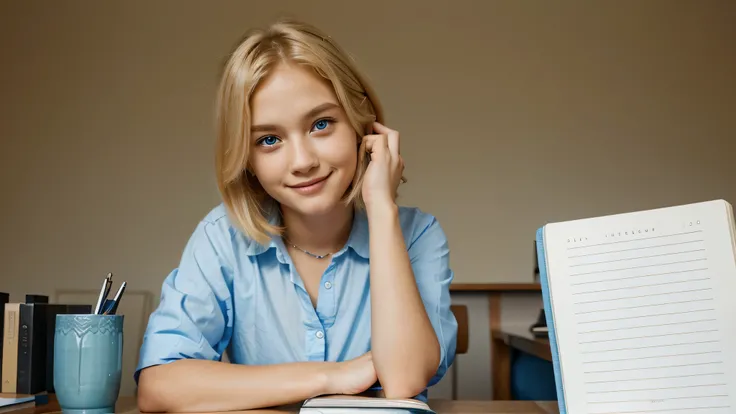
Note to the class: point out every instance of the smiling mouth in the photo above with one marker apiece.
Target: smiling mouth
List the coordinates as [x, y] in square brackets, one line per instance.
[311, 182]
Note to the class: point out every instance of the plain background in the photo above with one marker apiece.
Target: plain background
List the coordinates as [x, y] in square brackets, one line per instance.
[512, 114]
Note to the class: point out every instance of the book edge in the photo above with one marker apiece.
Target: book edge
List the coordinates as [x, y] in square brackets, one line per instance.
[549, 316]
[719, 201]
[347, 402]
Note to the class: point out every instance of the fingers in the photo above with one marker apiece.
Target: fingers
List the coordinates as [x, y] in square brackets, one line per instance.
[392, 137]
[385, 139]
[376, 145]
[384, 145]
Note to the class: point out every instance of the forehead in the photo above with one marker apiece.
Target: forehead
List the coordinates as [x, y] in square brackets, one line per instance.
[288, 93]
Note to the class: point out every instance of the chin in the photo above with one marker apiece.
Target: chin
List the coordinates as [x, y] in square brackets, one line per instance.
[319, 204]
[313, 206]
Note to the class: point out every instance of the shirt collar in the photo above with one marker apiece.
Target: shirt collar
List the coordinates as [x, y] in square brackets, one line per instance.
[254, 248]
[358, 240]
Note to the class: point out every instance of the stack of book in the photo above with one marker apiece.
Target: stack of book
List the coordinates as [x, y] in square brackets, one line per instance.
[27, 348]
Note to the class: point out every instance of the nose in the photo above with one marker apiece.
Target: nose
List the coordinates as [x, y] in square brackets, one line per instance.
[304, 157]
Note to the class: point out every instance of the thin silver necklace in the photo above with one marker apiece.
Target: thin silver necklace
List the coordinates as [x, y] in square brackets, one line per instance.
[316, 256]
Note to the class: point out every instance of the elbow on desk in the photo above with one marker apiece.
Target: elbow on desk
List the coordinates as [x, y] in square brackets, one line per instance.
[147, 403]
[152, 396]
[410, 382]
[403, 391]
[405, 385]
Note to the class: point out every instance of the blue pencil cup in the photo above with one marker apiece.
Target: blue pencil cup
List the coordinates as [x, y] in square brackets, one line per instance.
[88, 362]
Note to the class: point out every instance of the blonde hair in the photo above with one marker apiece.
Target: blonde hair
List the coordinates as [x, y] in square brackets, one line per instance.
[248, 205]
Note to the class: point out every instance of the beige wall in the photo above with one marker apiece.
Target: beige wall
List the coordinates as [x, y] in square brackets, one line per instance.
[512, 114]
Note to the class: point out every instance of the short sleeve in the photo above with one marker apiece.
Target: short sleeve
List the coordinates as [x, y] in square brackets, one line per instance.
[430, 260]
[194, 317]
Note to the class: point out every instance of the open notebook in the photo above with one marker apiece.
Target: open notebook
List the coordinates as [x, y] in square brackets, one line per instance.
[347, 404]
[641, 310]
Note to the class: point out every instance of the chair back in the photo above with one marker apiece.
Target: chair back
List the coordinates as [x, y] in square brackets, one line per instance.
[461, 315]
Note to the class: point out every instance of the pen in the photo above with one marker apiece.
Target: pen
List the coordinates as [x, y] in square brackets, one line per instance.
[116, 300]
[104, 291]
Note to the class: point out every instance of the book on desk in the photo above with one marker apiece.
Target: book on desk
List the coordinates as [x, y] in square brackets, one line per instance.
[347, 404]
[639, 310]
[11, 402]
[27, 356]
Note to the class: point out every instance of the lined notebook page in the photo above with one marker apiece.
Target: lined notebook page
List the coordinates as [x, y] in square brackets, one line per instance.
[644, 311]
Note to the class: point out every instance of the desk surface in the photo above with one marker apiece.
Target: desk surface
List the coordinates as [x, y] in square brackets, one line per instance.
[522, 339]
[127, 405]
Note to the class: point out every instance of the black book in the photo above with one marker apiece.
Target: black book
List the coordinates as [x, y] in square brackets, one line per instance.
[36, 344]
[31, 374]
[4, 298]
[37, 299]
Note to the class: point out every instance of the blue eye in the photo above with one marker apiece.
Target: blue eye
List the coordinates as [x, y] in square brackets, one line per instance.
[322, 124]
[269, 141]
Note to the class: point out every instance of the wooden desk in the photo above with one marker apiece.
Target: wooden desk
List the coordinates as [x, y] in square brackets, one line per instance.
[495, 287]
[503, 340]
[127, 405]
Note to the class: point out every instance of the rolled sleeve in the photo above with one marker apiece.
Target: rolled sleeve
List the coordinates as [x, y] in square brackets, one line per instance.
[194, 317]
[430, 259]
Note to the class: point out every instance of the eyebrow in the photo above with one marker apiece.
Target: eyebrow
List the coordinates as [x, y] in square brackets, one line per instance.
[311, 114]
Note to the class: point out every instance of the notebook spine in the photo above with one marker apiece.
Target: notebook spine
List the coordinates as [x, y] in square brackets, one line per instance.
[10, 348]
[25, 349]
[547, 301]
[4, 298]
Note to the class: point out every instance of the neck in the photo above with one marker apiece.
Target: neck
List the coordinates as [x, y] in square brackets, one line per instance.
[326, 233]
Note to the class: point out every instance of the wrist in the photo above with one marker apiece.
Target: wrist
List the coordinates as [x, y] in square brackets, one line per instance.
[329, 380]
[382, 209]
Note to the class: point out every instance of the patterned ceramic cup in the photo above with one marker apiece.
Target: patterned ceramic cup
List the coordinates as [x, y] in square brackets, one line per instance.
[88, 361]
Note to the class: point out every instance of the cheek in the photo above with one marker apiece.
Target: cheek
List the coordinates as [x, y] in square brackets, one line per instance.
[266, 168]
[341, 151]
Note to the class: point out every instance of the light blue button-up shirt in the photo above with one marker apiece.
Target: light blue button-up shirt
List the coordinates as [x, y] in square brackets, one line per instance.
[231, 294]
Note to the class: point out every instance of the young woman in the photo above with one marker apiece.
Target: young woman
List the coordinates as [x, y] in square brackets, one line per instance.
[309, 275]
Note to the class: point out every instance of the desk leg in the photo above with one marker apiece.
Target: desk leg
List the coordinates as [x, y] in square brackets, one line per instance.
[501, 362]
[500, 352]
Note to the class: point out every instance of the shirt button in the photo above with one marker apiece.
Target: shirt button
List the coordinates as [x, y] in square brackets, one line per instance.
[328, 285]
[319, 334]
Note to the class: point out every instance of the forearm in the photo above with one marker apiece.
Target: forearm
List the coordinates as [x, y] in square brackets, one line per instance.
[405, 349]
[210, 386]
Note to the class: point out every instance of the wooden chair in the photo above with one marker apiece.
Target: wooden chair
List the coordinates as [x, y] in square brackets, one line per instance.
[461, 315]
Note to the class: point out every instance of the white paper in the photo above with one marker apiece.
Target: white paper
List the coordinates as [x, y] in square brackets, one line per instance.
[644, 311]
[4, 402]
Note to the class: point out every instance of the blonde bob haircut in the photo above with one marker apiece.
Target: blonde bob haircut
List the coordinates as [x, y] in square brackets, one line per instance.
[249, 206]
